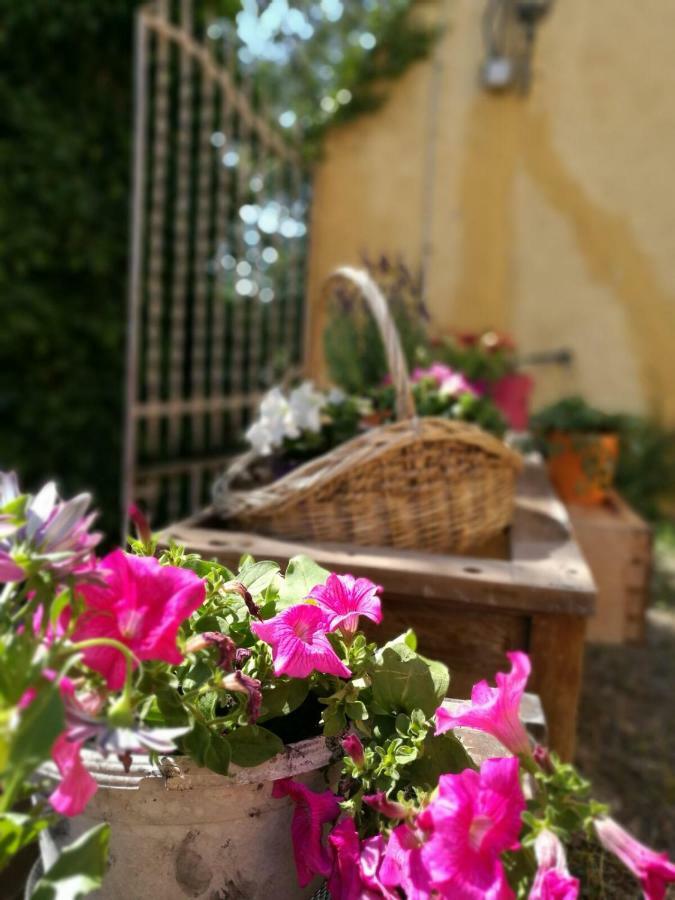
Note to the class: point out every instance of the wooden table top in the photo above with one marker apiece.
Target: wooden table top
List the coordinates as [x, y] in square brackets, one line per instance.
[546, 572]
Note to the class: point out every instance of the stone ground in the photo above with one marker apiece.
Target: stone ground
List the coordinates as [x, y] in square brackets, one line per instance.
[627, 721]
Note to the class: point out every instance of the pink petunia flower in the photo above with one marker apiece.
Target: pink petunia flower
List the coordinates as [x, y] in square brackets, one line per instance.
[345, 598]
[475, 817]
[299, 644]
[553, 880]
[495, 711]
[312, 812]
[449, 382]
[653, 870]
[141, 604]
[402, 866]
[370, 862]
[345, 879]
[76, 787]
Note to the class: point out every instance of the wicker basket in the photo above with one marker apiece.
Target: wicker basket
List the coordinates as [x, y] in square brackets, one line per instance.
[418, 484]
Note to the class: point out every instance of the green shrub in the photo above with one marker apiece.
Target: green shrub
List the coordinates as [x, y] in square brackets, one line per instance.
[64, 155]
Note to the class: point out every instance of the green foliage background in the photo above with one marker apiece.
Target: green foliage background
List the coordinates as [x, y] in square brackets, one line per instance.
[65, 96]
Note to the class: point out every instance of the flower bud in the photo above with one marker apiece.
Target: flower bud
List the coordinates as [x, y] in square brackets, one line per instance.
[226, 647]
[543, 759]
[242, 655]
[143, 530]
[352, 746]
[236, 587]
[120, 714]
[384, 806]
[240, 683]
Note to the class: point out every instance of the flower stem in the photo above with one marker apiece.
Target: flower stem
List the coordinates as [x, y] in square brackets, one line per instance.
[129, 656]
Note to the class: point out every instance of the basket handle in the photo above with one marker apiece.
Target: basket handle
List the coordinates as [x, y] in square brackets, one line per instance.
[377, 303]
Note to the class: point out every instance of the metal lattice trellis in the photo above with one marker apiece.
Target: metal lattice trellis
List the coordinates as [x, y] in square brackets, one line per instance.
[216, 298]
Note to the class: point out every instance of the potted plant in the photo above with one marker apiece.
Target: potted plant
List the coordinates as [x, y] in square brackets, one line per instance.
[224, 733]
[582, 447]
[489, 360]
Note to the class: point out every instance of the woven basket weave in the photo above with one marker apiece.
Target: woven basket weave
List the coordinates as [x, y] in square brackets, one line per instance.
[419, 484]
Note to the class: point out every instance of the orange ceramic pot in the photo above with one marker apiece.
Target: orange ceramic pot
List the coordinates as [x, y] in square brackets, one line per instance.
[582, 465]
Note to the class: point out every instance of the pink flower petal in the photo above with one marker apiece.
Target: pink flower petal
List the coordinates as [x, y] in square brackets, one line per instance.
[475, 817]
[140, 603]
[653, 870]
[76, 787]
[495, 711]
[345, 880]
[312, 812]
[299, 644]
[345, 598]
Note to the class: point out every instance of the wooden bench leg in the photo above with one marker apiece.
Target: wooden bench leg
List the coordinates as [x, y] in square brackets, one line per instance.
[557, 652]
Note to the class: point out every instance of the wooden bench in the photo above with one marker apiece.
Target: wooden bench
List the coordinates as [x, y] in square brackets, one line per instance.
[466, 610]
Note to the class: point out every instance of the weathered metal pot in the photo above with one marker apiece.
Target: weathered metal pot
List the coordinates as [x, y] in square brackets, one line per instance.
[183, 831]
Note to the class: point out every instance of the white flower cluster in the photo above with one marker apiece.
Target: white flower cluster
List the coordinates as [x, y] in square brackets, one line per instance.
[284, 417]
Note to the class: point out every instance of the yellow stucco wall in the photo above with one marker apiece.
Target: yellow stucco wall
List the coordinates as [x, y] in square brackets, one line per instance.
[551, 217]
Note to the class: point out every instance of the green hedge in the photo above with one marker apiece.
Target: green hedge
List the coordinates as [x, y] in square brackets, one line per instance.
[65, 96]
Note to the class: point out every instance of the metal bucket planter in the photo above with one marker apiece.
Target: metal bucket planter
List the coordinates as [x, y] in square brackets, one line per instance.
[183, 831]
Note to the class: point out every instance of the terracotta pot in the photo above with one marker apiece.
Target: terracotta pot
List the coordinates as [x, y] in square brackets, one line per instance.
[582, 465]
[183, 831]
[511, 395]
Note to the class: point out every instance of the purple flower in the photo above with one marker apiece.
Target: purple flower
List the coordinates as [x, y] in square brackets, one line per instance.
[54, 532]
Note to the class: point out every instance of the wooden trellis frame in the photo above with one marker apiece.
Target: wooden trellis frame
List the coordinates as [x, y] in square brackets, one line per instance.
[199, 354]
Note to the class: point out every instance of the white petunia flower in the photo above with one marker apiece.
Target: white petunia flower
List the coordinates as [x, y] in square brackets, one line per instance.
[306, 404]
[336, 396]
[260, 438]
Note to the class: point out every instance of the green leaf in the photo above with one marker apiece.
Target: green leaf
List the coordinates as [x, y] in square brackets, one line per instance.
[39, 726]
[218, 754]
[442, 753]
[206, 703]
[283, 696]
[356, 710]
[252, 745]
[440, 675]
[410, 638]
[196, 742]
[79, 869]
[58, 606]
[302, 574]
[334, 721]
[167, 710]
[258, 576]
[197, 675]
[204, 568]
[403, 681]
[17, 830]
